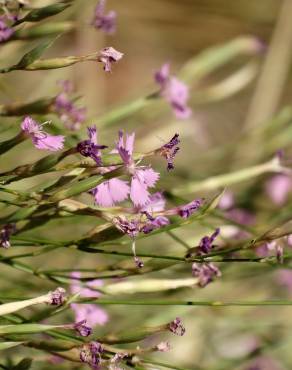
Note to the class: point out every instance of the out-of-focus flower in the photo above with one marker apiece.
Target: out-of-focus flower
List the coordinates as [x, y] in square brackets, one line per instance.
[271, 248]
[40, 138]
[176, 327]
[91, 148]
[174, 91]
[102, 21]
[163, 347]
[169, 150]
[226, 201]
[108, 56]
[57, 297]
[205, 272]
[6, 31]
[70, 115]
[264, 363]
[92, 313]
[5, 234]
[284, 278]
[91, 354]
[278, 188]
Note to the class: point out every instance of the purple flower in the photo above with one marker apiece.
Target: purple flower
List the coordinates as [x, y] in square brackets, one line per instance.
[108, 56]
[205, 272]
[57, 297]
[174, 91]
[278, 188]
[105, 22]
[6, 31]
[169, 150]
[90, 148]
[188, 209]
[82, 329]
[154, 223]
[91, 354]
[71, 115]
[5, 234]
[113, 191]
[130, 227]
[40, 138]
[176, 327]
[92, 313]
[206, 243]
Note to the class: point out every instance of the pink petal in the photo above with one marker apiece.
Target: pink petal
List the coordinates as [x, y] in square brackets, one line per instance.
[156, 203]
[139, 193]
[48, 142]
[119, 190]
[162, 75]
[110, 192]
[148, 176]
[177, 91]
[29, 126]
[103, 196]
[130, 143]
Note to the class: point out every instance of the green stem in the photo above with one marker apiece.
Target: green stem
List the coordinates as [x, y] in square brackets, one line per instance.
[186, 303]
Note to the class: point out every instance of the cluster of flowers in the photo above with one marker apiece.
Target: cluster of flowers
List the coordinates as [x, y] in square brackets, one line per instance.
[91, 353]
[206, 272]
[148, 212]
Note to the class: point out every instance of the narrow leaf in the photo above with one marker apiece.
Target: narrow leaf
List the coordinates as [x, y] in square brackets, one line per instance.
[36, 15]
[34, 54]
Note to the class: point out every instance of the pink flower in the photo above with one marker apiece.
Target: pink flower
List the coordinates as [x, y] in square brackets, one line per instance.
[113, 191]
[40, 138]
[142, 177]
[92, 313]
[278, 188]
[174, 91]
[108, 56]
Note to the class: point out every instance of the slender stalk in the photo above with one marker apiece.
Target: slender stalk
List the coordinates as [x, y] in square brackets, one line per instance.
[186, 303]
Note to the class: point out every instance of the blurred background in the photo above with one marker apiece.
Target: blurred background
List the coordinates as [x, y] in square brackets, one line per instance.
[242, 114]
